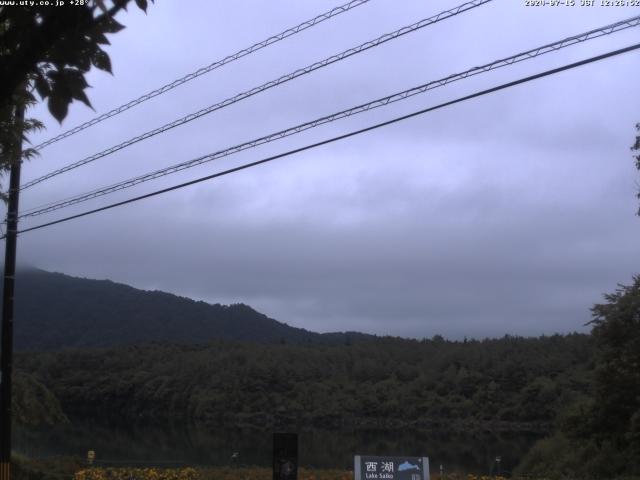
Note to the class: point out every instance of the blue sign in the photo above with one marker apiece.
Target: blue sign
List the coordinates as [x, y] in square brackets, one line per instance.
[390, 468]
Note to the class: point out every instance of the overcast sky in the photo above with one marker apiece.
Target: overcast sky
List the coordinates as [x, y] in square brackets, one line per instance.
[512, 213]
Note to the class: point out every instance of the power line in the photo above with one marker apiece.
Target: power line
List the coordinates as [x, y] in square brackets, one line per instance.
[344, 136]
[266, 86]
[529, 54]
[213, 66]
[595, 33]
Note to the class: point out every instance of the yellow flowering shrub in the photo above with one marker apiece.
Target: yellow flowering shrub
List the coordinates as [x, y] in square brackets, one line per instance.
[258, 473]
[137, 474]
[229, 473]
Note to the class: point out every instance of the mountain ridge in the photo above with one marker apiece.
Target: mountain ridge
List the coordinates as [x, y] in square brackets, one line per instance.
[54, 310]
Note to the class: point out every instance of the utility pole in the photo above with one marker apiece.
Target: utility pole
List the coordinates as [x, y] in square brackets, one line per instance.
[6, 356]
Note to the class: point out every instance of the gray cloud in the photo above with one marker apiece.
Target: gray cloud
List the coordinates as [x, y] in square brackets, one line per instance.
[509, 214]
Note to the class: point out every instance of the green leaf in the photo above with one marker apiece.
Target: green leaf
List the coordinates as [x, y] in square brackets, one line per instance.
[29, 99]
[101, 5]
[100, 38]
[54, 73]
[31, 124]
[111, 26]
[69, 81]
[42, 86]
[142, 5]
[80, 95]
[72, 84]
[29, 153]
[101, 60]
[58, 106]
[83, 61]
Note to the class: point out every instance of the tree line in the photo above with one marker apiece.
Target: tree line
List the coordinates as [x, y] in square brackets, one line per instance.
[509, 383]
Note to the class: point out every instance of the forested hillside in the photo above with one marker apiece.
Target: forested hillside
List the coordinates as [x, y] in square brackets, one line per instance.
[33, 403]
[509, 383]
[599, 435]
[56, 311]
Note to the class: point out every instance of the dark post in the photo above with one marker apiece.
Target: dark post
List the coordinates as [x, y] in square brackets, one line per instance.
[285, 456]
[6, 356]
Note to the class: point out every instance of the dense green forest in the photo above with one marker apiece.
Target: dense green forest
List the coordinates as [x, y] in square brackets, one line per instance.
[509, 383]
[581, 390]
[33, 403]
[261, 372]
[599, 436]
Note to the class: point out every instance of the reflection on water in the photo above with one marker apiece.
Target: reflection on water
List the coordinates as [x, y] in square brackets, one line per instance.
[471, 452]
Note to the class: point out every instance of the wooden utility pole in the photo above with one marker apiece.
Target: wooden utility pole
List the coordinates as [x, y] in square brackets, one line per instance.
[6, 356]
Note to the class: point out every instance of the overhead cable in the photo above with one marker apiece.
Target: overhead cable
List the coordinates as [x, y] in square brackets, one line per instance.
[212, 66]
[266, 86]
[527, 55]
[341, 137]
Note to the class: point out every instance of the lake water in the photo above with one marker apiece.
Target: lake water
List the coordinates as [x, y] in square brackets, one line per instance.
[470, 452]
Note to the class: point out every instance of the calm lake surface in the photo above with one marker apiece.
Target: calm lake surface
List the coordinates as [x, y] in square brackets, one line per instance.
[471, 452]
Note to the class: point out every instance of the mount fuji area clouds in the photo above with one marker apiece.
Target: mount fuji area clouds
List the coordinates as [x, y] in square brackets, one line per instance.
[509, 214]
